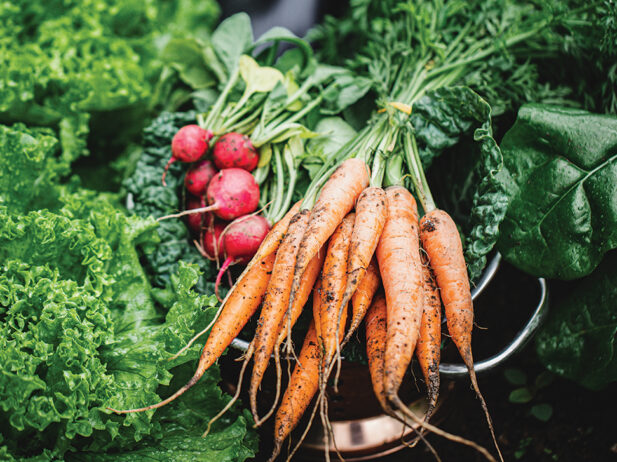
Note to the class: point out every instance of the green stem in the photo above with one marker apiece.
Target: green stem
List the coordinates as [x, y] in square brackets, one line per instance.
[280, 183]
[412, 156]
[220, 101]
[291, 185]
[280, 129]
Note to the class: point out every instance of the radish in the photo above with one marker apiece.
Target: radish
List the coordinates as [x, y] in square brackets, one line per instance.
[235, 150]
[197, 178]
[240, 241]
[212, 241]
[188, 145]
[232, 193]
[194, 220]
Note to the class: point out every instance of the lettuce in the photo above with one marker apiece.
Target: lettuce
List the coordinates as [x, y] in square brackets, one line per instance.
[90, 69]
[81, 329]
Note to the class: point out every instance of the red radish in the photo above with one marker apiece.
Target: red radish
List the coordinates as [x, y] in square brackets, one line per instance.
[194, 220]
[240, 242]
[198, 176]
[235, 150]
[212, 241]
[232, 193]
[188, 145]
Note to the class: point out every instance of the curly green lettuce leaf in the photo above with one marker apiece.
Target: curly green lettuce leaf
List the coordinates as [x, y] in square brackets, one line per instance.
[80, 329]
[579, 340]
[92, 70]
[29, 168]
[561, 178]
[441, 120]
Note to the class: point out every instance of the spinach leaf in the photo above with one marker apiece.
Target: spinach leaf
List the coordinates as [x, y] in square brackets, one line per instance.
[231, 39]
[185, 55]
[561, 180]
[579, 340]
[440, 120]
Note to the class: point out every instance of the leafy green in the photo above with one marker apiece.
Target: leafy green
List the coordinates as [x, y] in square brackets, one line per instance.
[231, 39]
[90, 69]
[82, 329]
[579, 338]
[29, 167]
[561, 181]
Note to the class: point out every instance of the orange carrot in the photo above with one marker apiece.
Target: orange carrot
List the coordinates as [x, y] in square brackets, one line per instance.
[398, 255]
[275, 304]
[236, 309]
[335, 201]
[303, 385]
[428, 349]
[362, 297]
[376, 346]
[443, 246]
[333, 280]
[306, 286]
[317, 306]
[376, 341]
[371, 214]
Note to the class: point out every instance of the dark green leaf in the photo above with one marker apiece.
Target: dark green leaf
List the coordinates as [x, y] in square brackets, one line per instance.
[561, 179]
[345, 90]
[515, 376]
[543, 380]
[579, 340]
[280, 34]
[542, 412]
[520, 395]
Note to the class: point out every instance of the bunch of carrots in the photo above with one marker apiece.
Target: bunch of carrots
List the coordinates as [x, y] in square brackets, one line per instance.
[350, 242]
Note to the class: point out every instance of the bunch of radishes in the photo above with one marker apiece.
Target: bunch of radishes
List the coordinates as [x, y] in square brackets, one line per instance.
[221, 203]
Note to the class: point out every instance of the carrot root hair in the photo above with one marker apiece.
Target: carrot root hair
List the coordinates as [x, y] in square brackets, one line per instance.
[277, 363]
[232, 401]
[438, 431]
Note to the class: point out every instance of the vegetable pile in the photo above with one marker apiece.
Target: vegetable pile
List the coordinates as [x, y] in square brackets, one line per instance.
[355, 189]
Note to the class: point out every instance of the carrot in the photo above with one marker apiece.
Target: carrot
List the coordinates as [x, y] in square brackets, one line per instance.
[275, 304]
[428, 349]
[303, 385]
[335, 201]
[398, 255]
[362, 297]
[333, 280]
[376, 340]
[371, 214]
[306, 286]
[376, 346]
[317, 306]
[444, 249]
[236, 309]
